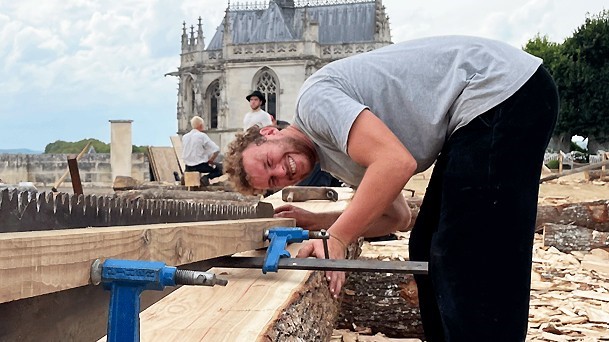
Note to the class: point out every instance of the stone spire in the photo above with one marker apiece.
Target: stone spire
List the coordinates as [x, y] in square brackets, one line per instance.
[227, 37]
[200, 37]
[184, 37]
[192, 36]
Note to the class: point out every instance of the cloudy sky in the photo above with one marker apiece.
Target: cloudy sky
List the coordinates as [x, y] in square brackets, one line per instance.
[69, 66]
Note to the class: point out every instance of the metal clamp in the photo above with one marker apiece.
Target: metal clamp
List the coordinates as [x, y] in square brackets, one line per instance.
[280, 237]
[127, 279]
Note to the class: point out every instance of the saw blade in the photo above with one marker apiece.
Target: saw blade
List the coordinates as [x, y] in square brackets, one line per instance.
[28, 211]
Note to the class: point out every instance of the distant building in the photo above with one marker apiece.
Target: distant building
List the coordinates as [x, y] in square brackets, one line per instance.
[272, 47]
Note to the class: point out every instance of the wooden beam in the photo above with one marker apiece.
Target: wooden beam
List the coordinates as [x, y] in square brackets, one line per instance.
[36, 263]
[574, 171]
[75, 176]
[65, 174]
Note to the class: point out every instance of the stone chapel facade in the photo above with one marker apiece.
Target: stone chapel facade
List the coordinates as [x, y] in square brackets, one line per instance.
[271, 47]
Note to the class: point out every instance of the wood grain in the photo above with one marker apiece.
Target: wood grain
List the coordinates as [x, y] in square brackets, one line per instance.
[36, 263]
[164, 163]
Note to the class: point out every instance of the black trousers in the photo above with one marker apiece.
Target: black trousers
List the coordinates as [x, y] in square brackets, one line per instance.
[212, 172]
[477, 220]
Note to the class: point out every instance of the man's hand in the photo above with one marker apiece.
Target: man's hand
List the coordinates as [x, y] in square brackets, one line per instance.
[336, 250]
[304, 218]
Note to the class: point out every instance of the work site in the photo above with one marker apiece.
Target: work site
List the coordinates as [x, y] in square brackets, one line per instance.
[324, 174]
[51, 242]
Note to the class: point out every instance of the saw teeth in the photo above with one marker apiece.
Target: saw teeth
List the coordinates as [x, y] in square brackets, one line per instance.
[21, 211]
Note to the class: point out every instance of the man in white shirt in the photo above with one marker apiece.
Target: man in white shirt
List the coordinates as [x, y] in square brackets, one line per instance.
[200, 152]
[257, 116]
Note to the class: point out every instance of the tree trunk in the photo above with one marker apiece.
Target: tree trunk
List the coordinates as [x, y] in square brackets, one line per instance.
[597, 143]
[591, 215]
[560, 142]
[381, 302]
[567, 237]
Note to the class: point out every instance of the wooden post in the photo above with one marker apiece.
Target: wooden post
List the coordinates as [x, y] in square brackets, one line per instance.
[65, 174]
[192, 179]
[560, 159]
[75, 176]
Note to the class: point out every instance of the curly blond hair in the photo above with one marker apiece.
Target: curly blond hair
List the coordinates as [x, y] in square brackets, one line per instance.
[233, 159]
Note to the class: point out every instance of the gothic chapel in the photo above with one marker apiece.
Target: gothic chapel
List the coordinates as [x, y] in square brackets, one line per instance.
[271, 47]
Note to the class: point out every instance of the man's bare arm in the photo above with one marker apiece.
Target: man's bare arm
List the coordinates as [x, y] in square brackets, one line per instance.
[213, 157]
[396, 217]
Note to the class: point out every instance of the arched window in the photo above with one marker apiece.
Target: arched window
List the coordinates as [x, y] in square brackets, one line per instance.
[267, 83]
[213, 96]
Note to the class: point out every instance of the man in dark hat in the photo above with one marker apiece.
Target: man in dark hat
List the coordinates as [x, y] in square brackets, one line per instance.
[257, 116]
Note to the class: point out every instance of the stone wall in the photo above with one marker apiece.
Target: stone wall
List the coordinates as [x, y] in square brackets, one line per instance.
[46, 169]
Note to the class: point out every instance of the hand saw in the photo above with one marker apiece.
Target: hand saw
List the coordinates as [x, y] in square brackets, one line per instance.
[27, 211]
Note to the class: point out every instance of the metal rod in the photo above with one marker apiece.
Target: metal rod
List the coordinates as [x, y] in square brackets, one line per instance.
[412, 267]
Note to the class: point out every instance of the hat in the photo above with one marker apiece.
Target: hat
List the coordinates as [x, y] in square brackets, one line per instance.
[258, 94]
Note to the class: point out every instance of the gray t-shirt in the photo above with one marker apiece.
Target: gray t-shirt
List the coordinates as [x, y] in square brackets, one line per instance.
[423, 90]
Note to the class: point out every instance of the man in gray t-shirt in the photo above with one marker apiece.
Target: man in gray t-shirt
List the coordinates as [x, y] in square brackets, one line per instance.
[375, 119]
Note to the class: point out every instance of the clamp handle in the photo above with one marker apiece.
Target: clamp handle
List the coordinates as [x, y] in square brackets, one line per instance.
[279, 238]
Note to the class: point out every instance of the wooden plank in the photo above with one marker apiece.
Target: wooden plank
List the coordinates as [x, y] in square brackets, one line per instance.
[36, 263]
[176, 142]
[153, 169]
[165, 163]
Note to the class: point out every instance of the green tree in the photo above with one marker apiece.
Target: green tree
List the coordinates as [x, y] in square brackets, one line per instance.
[580, 68]
[587, 50]
[61, 146]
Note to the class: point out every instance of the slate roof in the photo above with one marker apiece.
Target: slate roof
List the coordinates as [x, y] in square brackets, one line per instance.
[343, 23]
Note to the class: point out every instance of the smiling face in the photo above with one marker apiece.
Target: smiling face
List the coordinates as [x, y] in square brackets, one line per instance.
[278, 162]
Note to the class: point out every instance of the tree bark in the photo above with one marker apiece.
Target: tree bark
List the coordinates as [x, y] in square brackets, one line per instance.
[592, 215]
[567, 238]
[381, 303]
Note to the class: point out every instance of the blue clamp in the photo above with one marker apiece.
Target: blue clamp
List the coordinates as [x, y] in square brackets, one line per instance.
[279, 238]
[127, 279]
